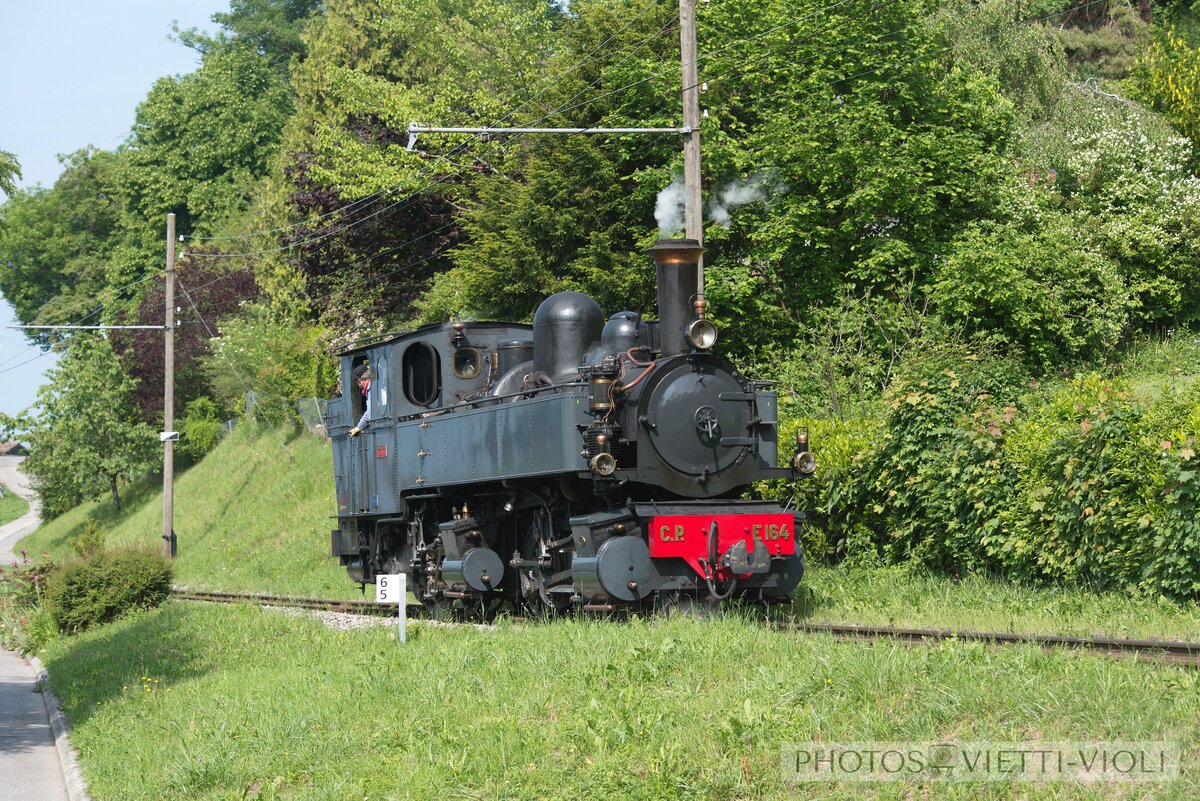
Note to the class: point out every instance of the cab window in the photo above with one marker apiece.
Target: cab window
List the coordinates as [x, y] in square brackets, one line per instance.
[422, 376]
[467, 362]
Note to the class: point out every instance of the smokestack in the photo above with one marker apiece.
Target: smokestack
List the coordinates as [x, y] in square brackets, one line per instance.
[676, 263]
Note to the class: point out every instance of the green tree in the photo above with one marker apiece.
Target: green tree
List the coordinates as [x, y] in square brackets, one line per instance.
[199, 147]
[279, 361]
[1111, 182]
[870, 144]
[54, 257]
[84, 437]
[382, 218]
[271, 27]
[10, 172]
[572, 212]
[1041, 293]
[1167, 78]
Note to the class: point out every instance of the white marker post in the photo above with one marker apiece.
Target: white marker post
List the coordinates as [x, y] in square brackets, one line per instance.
[391, 589]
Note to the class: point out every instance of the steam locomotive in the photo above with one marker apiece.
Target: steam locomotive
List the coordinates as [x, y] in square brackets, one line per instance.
[577, 463]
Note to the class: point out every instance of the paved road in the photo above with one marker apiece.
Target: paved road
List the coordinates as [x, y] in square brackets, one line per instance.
[30, 769]
[14, 531]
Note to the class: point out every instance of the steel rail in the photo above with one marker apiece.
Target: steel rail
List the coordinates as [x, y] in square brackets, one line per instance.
[294, 602]
[1171, 651]
[1176, 651]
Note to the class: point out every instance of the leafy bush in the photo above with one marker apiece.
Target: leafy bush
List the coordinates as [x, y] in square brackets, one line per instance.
[1039, 291]
[273, 358]
[930, 488]
[87, 592]
[1174, 570]
[1085, 481]
[201, 429]
[847, 354]
[22, 615]
[1167, 78]
[90, 541]
[839, 446]
[1107, 490]
[1082, 482]
[26, 586]
[1113, 183]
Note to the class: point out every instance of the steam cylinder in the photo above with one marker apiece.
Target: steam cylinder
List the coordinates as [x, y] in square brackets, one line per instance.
[676, 263]
[565, 327]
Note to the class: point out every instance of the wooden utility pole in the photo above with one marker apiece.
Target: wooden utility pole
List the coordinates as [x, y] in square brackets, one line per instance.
[693, 217]
[169, 436]
[693, 211]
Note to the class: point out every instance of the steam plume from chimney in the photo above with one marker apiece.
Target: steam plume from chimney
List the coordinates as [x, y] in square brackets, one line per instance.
[738, 193]
[669, 209]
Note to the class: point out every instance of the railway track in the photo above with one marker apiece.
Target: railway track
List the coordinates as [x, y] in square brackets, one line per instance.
[294, 602]
[1171, 651]
[1175, 651]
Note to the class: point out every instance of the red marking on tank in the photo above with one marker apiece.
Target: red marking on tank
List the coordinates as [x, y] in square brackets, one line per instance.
[686, 536]
[381, 451]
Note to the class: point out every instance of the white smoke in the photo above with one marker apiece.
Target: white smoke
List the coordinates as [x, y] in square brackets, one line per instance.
[669, 208]
[671, 204]
[729, 197]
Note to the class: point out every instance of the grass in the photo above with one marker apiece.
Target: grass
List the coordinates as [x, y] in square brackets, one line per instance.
[201, 702]
[1156, 365]
[913, 597]
[12, 506]
[254, 515]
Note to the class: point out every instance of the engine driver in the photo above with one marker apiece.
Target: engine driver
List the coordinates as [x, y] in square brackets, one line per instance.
[362, 378]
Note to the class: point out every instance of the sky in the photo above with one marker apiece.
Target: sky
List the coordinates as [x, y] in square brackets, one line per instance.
[72, 73]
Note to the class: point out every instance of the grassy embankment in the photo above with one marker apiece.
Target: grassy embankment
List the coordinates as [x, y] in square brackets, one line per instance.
[248, 519]
[254, 515]
[199, 702]
[12, 506]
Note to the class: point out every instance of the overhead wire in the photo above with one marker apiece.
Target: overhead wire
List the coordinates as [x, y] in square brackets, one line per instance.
[212, 334]
[460, 148]
[561, 108]
[790, 23]
[79, 321]
[588, 59]
[636, 151]
[674, 69]
[636, 46]
[438, 252]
